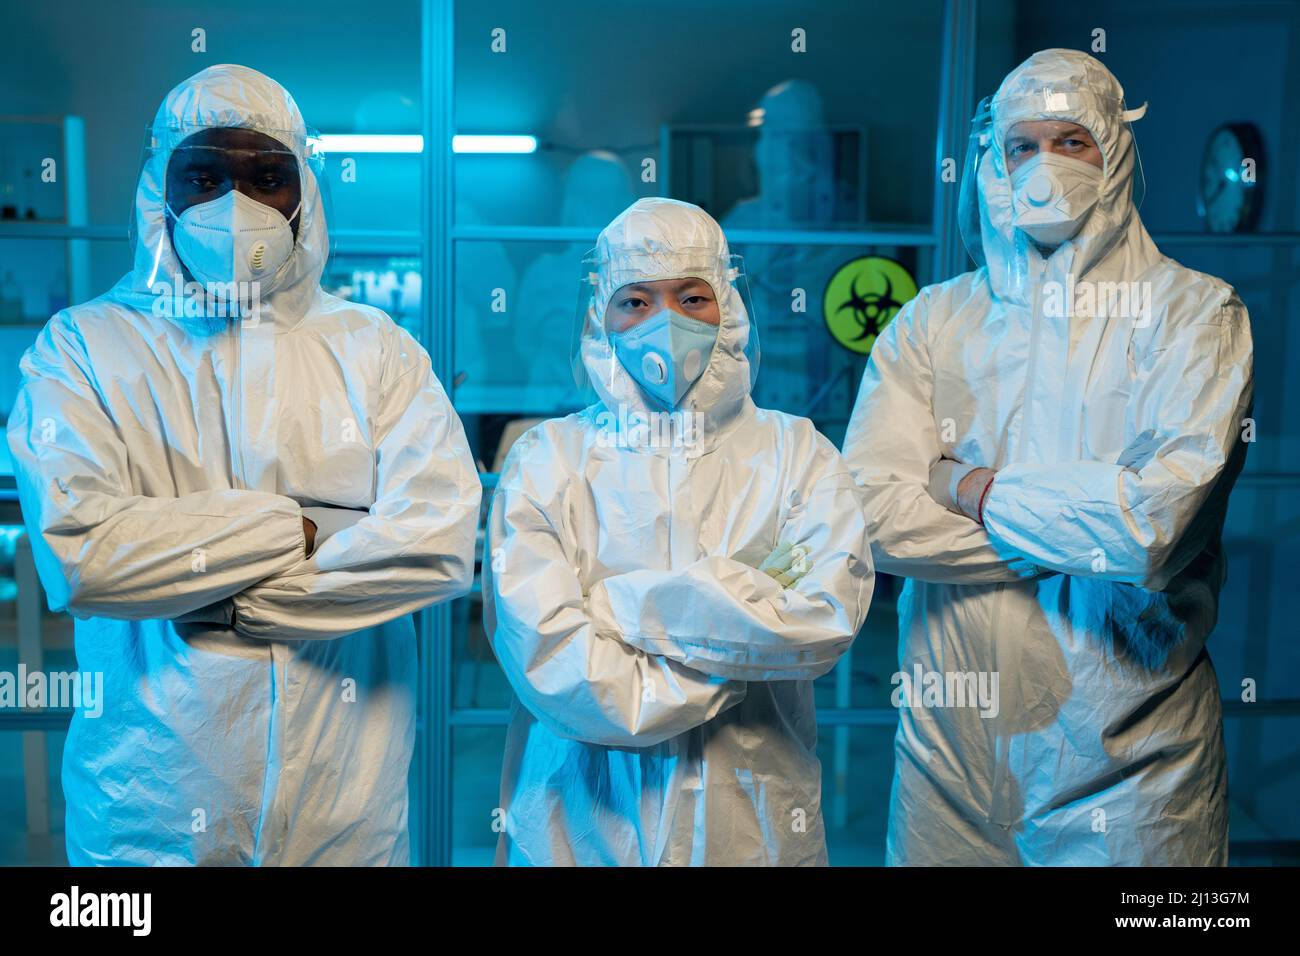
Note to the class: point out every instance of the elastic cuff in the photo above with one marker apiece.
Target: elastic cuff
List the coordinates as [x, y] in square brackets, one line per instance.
[979, 516]
[945, 476]
[301, 551]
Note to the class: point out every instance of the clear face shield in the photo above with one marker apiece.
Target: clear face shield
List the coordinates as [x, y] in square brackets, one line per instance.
[1046, 189]
[979, 142]
[234, 198]
[661, 329]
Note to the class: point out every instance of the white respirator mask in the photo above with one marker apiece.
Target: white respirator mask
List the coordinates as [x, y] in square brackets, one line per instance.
[1051, 195]
[233, 239]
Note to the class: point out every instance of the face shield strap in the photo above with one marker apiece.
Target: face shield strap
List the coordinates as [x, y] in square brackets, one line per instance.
[1135, 114]
[1067, 105]
[303, 144]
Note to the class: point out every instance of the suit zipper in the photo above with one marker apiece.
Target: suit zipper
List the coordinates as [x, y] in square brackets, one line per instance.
[999, 806]
[237, 408]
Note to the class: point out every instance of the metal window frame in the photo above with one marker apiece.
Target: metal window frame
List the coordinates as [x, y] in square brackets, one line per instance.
[432, 801]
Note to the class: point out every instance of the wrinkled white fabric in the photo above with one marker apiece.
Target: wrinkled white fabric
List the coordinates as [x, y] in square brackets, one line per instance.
[163, 465]
[1116, 442]
[665, 702]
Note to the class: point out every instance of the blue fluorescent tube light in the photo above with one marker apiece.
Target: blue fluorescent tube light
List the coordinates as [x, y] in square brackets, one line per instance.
[463, 143]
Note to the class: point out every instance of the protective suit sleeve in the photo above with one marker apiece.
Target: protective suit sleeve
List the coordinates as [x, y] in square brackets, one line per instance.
[104, 552]
[1135, 520]
[414, 548]
[890, 446]
[727, 619]
[578, 682]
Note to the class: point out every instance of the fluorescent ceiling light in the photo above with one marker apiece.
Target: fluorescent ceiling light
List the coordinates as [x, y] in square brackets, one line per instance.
[463, 143]
[347, 143]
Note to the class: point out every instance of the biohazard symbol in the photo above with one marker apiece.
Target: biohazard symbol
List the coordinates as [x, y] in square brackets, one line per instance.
[867, 309]
[863, 297]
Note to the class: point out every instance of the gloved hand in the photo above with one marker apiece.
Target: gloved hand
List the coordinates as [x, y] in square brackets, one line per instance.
[960, 487]
[787, 564]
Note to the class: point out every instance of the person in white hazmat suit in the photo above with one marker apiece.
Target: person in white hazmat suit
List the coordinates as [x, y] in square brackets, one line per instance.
[663, 595]
[1050, 471]
[240, 512]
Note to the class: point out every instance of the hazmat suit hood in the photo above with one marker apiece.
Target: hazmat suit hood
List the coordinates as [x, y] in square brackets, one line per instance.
[656, 239]
[1070, 86]
[226, 95]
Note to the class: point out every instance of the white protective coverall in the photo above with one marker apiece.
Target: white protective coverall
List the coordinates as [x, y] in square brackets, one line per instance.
[666, 685]
[1116, 439]
[163, 466]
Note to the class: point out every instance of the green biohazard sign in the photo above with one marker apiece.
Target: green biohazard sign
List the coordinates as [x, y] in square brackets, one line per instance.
[863, 297]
